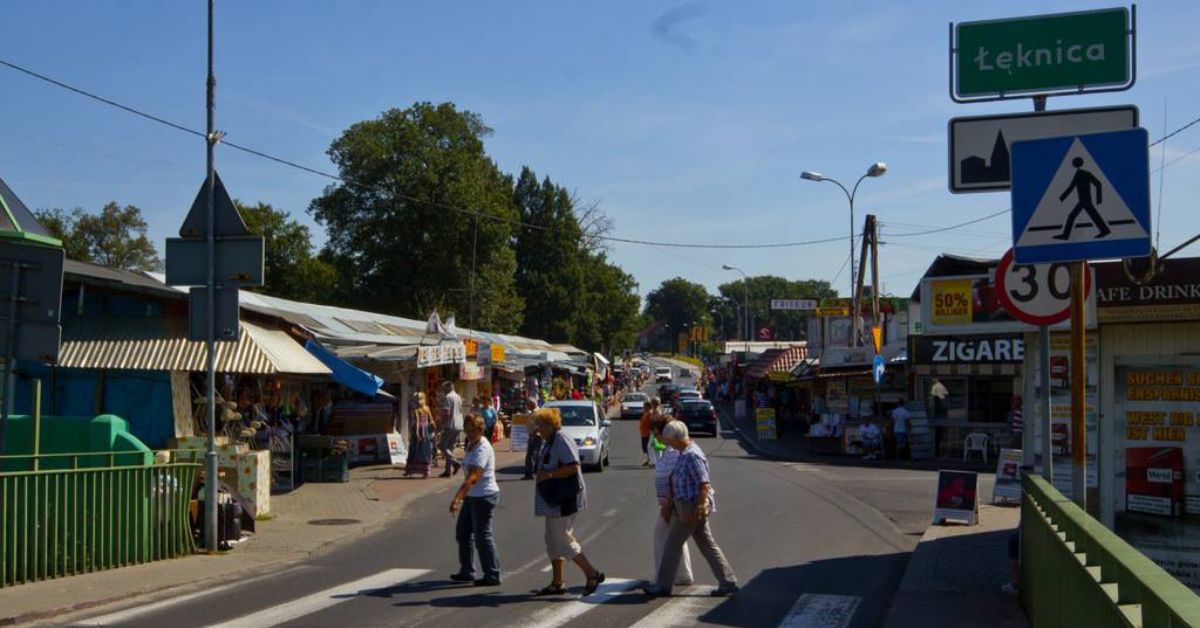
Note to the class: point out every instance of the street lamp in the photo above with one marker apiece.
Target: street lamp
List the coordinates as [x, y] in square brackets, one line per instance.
[877, 169]
[746, 301]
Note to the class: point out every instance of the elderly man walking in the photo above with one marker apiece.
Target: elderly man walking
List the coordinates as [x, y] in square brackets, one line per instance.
[452, 426]
[691, 502]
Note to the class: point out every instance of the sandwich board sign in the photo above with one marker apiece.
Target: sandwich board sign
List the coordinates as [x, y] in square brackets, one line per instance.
[957, 497]
[980, 146]
[1081, 197]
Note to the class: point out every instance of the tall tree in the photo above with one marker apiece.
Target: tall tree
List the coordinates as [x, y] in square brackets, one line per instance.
[548, 259]
[398, 236]
[786, 324]
[292, 270]
[678, 303]
[114, 237]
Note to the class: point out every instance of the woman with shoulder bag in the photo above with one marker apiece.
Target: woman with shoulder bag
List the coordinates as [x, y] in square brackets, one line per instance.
[560, 494]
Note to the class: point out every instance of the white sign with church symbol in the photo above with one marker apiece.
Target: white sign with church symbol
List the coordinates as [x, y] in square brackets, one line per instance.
[981, 146]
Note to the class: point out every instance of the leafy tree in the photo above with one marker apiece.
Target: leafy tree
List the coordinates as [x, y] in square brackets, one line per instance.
[678, 303]
[549, 269]
[608, 320]
[292, 271]
[787, 324]
[395, 239]
[115, 237]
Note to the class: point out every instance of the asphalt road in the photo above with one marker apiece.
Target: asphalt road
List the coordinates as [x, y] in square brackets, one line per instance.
[814, 545]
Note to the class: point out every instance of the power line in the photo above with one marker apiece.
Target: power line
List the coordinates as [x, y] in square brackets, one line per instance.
[1174, 133]
[462, 210]
[949, 228]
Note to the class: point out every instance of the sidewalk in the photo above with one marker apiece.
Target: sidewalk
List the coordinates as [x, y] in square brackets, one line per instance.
[955, 574]
[305, 522]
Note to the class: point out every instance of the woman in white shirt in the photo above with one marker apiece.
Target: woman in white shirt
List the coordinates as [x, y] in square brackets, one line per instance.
[663, 466]
[474, 504]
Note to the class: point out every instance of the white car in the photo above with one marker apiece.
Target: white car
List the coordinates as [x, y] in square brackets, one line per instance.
[690, 394]
[583, 421]
[663, 374]
[633, 404]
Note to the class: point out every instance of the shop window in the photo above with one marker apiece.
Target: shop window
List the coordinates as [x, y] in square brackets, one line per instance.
[990, 399]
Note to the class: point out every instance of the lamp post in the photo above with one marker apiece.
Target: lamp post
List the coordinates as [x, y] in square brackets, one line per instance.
[877, 169]
[745, 302]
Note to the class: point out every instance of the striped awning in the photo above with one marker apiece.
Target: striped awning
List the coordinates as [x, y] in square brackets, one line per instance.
[157, 344]
[776, 360]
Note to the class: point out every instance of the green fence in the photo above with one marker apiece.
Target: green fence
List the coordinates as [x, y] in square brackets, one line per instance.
[66, 518]
[1077, 572]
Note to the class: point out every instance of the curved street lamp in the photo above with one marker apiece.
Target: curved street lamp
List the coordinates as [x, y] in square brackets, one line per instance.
[877, 169]
[745, 302]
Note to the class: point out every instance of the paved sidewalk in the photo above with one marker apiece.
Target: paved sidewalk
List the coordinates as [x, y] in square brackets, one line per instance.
[955, 574]
[300, 528]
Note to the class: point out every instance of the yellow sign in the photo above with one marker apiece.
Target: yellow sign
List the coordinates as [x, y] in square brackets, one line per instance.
[472, 347]
[877, 335]
[832, 311]
[683, 342]
[497, 353]
[951, 301]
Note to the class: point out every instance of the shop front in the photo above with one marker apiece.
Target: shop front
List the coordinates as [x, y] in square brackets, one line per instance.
[1149, 470]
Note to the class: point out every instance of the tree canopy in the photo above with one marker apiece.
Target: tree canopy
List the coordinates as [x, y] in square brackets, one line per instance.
[114, 237]
[292, 269]
[786, 324]
[678, 303]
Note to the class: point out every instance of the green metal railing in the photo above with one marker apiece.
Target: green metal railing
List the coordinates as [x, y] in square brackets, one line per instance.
[67, 518]
[1077, 572]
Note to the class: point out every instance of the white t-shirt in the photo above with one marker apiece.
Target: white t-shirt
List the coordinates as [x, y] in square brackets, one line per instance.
[900, 416]
[453, 411]
[870, 431]
[483, 457]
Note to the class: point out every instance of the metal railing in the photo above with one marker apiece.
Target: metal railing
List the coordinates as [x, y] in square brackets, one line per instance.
[78, 519]
[1077, 572]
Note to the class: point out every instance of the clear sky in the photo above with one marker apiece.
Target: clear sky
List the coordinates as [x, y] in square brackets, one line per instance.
[687, 122]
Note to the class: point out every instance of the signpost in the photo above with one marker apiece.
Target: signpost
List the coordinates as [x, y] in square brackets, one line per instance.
[981, 146]
[794, 304]
[1073, 53]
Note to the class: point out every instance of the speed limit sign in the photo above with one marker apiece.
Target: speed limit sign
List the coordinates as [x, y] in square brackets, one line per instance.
[1038, 294]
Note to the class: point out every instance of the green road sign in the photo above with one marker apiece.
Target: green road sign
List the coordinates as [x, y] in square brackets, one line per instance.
[1043, 53]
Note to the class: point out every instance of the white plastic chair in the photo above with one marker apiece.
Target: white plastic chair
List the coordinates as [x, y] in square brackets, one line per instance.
[976, 441]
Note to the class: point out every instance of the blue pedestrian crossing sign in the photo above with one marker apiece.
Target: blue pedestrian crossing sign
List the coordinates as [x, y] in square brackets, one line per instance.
[878, 366]
[1081, 197]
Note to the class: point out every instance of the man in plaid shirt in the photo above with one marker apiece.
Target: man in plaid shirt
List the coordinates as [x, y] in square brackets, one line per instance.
[687, 509]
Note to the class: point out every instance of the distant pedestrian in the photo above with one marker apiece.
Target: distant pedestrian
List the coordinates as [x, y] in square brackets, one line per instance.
[420, 437]
[560, 495]
[663, 466]
[534, 445]
[900, 429]
[649, 412]
[452, 425]
[474, 504]
[692, 500]
[872, 438]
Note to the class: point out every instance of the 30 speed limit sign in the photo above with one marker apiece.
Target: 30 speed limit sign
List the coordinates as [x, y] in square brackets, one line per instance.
[1038, 294]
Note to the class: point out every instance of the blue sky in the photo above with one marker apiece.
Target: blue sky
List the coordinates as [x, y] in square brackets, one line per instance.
[686, 121]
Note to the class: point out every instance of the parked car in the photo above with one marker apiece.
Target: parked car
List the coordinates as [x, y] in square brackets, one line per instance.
[699, 415]
[663, 374]
[583, 421]
[685, 373]
[632, 405]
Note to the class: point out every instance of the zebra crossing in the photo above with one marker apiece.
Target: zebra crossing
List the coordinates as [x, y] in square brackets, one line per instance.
[687, 607]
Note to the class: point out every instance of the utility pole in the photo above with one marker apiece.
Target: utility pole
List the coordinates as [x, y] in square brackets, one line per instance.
[210, 454]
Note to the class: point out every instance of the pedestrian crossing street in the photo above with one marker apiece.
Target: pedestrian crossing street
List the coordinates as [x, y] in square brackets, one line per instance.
[686, 607]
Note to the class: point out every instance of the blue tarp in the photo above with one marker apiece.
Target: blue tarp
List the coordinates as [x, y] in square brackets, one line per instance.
[345, 373]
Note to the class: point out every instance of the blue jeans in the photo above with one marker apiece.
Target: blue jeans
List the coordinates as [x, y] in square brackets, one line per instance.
[474, 532]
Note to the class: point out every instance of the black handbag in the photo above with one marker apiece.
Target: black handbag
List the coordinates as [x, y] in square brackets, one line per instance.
[561, 492]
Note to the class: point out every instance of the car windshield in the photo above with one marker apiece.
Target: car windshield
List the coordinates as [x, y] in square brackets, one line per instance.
[577, 416]
[699, 407]
[635, 397]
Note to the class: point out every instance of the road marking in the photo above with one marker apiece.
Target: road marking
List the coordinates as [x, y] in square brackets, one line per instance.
[680, 611]
[130, 614]
[610, 513]
[563, 613]
[800, 467]
[322, 600]
[817, 610]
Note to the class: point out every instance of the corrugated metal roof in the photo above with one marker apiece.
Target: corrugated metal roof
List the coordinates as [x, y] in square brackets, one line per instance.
[156, 344]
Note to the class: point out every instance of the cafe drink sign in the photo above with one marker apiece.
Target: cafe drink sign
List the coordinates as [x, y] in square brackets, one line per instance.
[1065, 52]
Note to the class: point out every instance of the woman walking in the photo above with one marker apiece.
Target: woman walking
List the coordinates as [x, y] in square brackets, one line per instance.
[420, 437]
[649, 413]
[559, 495]
[474, 503]
[664, 465]
[690, 504]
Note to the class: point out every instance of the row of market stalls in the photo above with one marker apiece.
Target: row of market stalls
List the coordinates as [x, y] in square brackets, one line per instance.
[305, 391]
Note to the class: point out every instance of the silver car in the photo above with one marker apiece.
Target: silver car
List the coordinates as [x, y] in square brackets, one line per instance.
[633, 404]
[583, 422]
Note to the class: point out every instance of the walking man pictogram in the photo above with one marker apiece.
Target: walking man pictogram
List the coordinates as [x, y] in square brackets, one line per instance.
[1082, 184]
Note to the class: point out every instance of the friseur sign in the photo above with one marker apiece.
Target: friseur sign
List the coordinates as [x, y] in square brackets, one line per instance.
[1043, 54]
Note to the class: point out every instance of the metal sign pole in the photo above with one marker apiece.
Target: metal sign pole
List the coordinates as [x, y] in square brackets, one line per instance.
[1078, 386]
[10, 356]
[210, 454]
[1044, 376]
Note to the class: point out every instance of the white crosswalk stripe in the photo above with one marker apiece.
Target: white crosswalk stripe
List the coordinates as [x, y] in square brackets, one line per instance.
[322, 600]
[563, 613]
[817, 610]
[680, 611]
